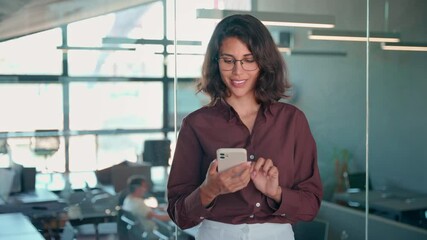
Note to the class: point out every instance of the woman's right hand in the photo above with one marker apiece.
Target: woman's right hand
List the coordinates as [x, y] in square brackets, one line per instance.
[228, 181]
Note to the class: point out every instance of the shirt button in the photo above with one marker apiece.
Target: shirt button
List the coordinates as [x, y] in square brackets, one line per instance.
[251, 216]
[257, 204]
[283, 215]
[202, 218]
[252, 157]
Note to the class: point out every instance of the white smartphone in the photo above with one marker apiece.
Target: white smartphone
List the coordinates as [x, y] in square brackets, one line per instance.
[229, 157]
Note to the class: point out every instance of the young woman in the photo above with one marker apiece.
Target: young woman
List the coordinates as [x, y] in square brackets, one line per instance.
[245, 76]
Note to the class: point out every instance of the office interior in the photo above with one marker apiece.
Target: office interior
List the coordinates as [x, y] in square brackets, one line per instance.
[92, 92]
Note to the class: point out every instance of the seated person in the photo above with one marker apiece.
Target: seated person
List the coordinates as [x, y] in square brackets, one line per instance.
[134, 203]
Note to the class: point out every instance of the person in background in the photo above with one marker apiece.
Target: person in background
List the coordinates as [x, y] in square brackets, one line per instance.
[134, 203]
[245, 76]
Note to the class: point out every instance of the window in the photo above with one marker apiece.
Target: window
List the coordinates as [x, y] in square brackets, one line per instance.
[116, 105]
[27, 107]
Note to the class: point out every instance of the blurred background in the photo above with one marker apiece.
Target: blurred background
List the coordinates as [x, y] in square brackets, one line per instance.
[87, 87]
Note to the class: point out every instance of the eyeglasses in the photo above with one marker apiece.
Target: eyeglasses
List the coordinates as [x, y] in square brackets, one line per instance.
[228, 63]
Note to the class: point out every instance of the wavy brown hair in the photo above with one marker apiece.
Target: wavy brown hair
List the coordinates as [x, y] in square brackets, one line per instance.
[272, 83]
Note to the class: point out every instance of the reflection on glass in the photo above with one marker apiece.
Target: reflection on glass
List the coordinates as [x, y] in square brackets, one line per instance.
[398, 133]
[189, 65]
[187, 100]
[143, 62]
[127, 25]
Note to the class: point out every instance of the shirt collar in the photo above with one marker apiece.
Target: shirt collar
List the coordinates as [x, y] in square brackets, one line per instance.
[229, 112]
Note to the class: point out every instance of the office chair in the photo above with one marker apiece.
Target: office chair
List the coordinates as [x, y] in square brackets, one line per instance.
[165, 231]
[157, 152]
[314, 230]
[128, 227]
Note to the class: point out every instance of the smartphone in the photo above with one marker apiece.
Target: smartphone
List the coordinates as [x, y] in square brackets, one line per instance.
[229, 157]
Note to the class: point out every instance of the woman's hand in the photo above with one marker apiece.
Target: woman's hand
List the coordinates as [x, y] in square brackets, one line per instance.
[228, 181]
[265, 176]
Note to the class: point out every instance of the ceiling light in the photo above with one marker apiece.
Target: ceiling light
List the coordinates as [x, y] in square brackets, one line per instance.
[274, 18]
[121, 40]
[284, 49]
[405, 46]
[318, 53]
[96, 48]
[355, 36]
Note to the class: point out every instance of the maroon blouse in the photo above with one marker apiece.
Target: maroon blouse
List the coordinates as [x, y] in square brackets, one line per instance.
[281, 133]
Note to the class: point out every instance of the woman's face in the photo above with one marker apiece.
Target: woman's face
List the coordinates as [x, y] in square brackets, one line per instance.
[239, 76]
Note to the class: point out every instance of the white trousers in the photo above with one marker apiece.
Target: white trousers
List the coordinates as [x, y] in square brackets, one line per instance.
[211, 230]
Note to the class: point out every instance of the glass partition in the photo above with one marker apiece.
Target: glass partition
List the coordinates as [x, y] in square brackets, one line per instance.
[329, 86]
[103, 85]
[397, 133]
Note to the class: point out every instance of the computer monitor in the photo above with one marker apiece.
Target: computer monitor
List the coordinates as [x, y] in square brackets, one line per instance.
[24, 179]
[6, 182]
[17, 179]
[28, 179]
[157, 152]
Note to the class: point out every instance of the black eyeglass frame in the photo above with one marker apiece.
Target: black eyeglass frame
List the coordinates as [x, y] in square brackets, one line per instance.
[234, 64]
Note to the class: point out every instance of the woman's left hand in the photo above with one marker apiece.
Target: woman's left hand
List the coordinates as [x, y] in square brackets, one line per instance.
[265, 176]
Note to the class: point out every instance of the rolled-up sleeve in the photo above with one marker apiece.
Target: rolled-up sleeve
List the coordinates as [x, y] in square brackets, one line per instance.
[184, 203]
[302, 201]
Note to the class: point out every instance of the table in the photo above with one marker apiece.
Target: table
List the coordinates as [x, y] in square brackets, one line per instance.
[403, 206]
[17, 226]
[38, 195]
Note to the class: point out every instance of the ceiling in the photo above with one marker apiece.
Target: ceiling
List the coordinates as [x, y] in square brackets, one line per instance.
[22, 17]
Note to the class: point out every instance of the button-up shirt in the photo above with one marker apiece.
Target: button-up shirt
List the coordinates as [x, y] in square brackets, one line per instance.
[280, 133]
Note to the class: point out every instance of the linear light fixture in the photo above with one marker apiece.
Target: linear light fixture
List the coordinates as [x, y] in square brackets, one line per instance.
[405, 46]
[274, 18]
[284, 49]
[355, 36]
[318, 53]
[120, 40]
[96, 48]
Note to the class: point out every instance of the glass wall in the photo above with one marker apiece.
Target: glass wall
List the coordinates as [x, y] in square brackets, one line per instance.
[329, 86]
[364, 105]
[397, 133]
[102, 86]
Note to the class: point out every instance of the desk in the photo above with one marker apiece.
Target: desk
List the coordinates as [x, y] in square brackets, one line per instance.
[34, 204]
[39, 195]
[43, 207]
[403, 206]
[17, 226]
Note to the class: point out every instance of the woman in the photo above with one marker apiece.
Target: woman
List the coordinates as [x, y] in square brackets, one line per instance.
[245, 77]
